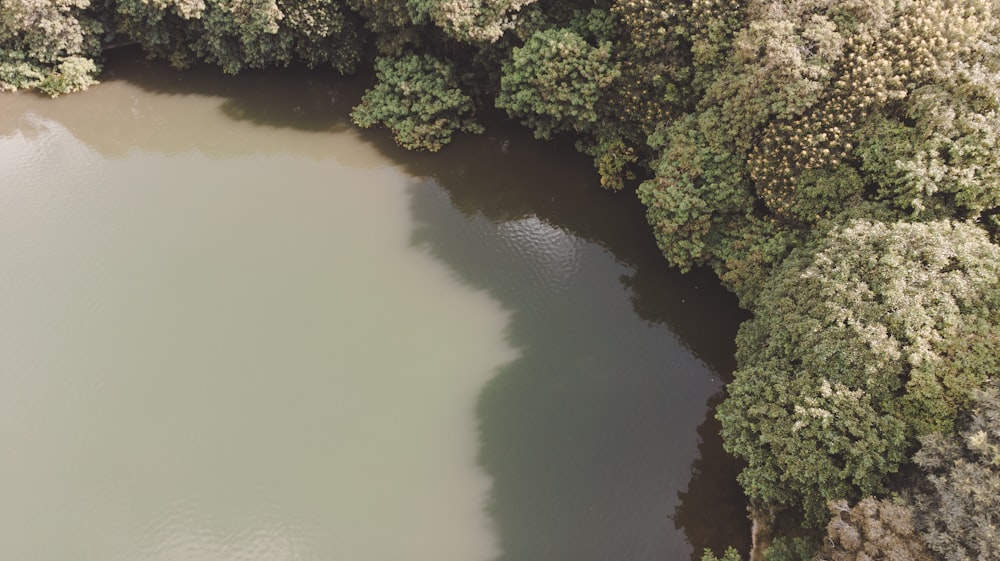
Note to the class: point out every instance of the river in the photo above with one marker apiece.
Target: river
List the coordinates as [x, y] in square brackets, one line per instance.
[237, 328]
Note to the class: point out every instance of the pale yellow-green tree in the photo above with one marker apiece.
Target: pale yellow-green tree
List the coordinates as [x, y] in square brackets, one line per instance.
[957, 509]
[877, 334]
[49, 45]
[872, 530]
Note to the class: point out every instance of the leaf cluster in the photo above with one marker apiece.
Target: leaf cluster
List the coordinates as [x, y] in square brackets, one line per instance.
[555, 82]
[419, 99]
[821, 106]
[48, 45]
[875, 335]
[239, 34]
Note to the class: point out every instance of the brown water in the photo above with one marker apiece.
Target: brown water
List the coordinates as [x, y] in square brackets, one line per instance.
[234, 327]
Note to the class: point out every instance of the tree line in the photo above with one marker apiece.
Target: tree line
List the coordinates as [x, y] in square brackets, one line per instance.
[833, 161]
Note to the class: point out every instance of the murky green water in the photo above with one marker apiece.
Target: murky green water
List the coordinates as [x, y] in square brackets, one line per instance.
[233, 327]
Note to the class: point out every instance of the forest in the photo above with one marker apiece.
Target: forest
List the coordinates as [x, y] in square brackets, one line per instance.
[834, 162]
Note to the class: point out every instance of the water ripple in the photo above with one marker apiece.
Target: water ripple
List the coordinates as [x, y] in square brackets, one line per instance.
[553, 254]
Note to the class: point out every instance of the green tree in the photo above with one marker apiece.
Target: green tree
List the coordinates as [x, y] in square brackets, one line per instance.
[875, 335]
[941, 160]
[703, 210]
[818, 106]
[322, 33]
[825, 66]
[163, 28]
[419, 99]
[49, 45]
[396, 24]
[729, 555]
[239, 34]
[669, 51]
[697, 194]
[554, 83]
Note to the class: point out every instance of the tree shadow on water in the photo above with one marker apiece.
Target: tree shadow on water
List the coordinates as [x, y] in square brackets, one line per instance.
[136, 99]
[316, 100]
[506, 175]
[713, 494]
[599, 438]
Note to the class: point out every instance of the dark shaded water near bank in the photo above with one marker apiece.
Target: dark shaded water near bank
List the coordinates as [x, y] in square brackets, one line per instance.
[591, 378]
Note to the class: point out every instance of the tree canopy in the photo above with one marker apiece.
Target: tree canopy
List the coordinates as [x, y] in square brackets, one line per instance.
[555, 81]
[419, 99]
[833, 161]
[48, 45]
[877, 334]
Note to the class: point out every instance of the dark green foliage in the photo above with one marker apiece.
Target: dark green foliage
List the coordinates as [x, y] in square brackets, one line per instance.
[668, 51]
[752, 248]
[238, 34]
[241, 34]
[401, 25]
[872, 530]
[807, 440]
[703, 212]
[395, 23]
[322, 33]
[959, 512]
[729, 555]
[419, 99]
[877, 334]
[697, 194]
[787, 548]
[164, 29]
[613, 157]
[554, 83]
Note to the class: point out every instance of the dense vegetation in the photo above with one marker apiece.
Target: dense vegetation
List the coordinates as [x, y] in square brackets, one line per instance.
[833, 161]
